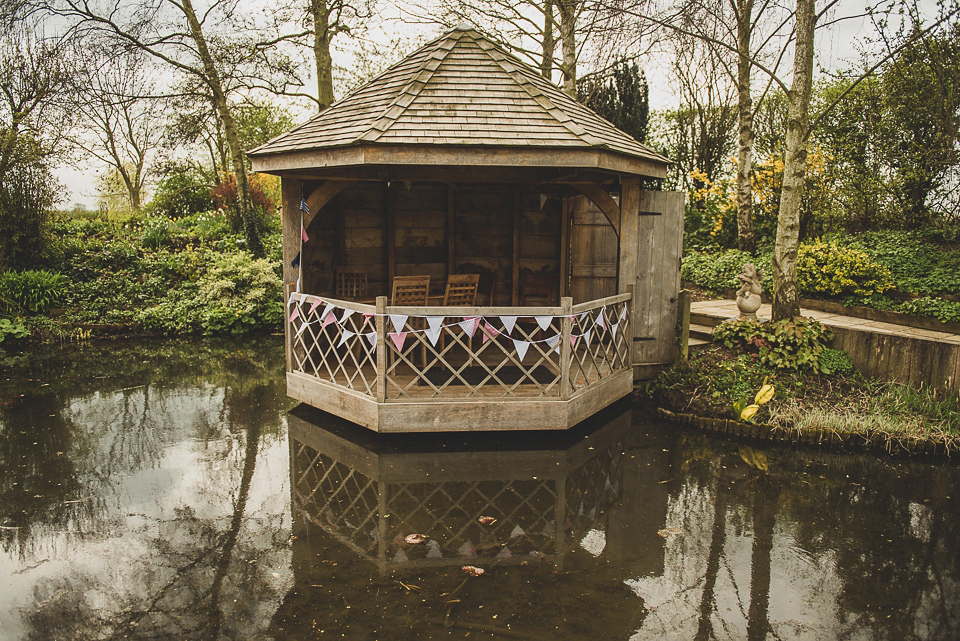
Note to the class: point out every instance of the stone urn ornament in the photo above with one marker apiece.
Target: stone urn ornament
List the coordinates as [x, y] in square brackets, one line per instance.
[748, 296]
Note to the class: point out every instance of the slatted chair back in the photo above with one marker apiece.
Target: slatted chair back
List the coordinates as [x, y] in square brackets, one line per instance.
[410, 290]
[537, 289]
[461, 290]
[351, 284]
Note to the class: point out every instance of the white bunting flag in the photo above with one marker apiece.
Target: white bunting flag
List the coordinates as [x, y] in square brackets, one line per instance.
[508, 323]
[613, 328]
[583, 316]
[346, 314]
[554, 342]
[398, 339]
[623, 312]
[434, 327]
[544, 321]
[469, 325]
[600, 320]
[586, 337]
[303, 326]
[345, 336]
[326, 310]
[398, 320]
[372, 337]
[521, 347]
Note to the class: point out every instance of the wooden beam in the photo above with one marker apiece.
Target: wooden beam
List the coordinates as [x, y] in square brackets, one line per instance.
[390, 203]
[451, 232]
[602, 199]
[320, 196]
[517, 208]
[629, 236]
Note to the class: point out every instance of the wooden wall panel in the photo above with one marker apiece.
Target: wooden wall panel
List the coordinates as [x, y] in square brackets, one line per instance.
[593, 252]
[484, 233]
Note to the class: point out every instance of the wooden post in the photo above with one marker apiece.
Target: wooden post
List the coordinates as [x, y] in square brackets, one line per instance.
[391, 207]
[290, 194]
[516, 248]
[629, 233]
[381, 349]
[287, 334]
[684, 324]
[565, 247]
[451, 233]
[566, 349]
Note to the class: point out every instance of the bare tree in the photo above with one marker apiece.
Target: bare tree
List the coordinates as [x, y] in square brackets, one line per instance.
[121, 120]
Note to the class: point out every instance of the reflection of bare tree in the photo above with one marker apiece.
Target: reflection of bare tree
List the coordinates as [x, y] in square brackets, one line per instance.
[764, 517]
[717, 540]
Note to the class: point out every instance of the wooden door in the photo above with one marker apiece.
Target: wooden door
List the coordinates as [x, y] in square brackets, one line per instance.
[593, 252]
[660, 243]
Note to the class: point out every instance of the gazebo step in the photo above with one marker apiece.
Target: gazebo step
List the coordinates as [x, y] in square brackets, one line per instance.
[704, 333]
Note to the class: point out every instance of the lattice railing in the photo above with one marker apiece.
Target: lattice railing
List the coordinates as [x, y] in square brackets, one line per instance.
[443, 353]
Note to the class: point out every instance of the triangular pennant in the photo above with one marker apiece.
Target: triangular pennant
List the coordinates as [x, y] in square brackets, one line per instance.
[345, 336]
[623, 312]
[554, 340]
[314, 305]
[367, 316]
[326, 311]
[613, 328]
[398, 338]
[573, 341]
[586, 336]
[469, 325]
[329, 320]
[398, 320]
[600, 320]
[303, 233]
[372, 337]
[294, 314]
[485, 338]
[508, 323]
[521, 347]
[434, 327]
[544, 321]
[489, 329]
[346, 314]
[303, 326]
[583, 316]
[291, 300]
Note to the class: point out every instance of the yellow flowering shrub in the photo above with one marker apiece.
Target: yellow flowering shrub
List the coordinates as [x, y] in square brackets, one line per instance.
[833, 270]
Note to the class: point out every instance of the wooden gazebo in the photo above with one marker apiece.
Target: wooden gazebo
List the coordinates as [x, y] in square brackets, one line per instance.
[461, 160]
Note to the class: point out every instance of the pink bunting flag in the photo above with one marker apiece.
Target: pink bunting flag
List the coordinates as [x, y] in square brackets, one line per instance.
[398, 338]
[488, 331]
[521, 347]
[366, 317]
[316, 303]
[294, 314]
[303, 233]
[329, 320]
[573, 341]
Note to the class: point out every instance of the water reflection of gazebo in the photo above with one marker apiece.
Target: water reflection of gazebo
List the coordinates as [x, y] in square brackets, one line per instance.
[543, 497]
[461, 167]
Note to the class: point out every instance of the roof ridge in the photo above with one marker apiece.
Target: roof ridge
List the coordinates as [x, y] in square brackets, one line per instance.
[418, 81]
[514, 68]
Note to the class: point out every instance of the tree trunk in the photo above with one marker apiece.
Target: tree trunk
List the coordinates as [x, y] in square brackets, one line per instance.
[786, 301]
[546, 62]
[568, 44]
[321, 51]
[251, 229]
[746, 240]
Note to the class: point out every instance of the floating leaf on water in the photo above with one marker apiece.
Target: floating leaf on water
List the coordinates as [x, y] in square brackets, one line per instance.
[764, 395]
[472, 570]
[754, 458]
[487, 520]
[413, 539]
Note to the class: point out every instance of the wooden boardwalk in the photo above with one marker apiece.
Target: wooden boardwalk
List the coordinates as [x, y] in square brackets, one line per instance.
[883, 350]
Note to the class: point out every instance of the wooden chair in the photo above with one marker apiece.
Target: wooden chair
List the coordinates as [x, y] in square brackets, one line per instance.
[412, 291]
[461, 290]
[351, 284]
[537, 290]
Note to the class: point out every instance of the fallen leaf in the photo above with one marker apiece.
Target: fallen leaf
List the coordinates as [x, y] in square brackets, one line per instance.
[413, 539]
[487, 520]
[472, 570]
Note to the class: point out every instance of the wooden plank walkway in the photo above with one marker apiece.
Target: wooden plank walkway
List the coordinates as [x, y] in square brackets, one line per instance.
[887, 351]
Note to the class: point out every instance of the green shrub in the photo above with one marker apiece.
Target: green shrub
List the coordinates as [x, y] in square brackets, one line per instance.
[718, 270]
[794, 343]
[156, 233]
[944, 310]
[835, 361]
[34, 291]
[12, 328]
[830, 269]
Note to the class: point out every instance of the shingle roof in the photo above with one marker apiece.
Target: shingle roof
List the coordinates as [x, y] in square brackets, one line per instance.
[460, 89]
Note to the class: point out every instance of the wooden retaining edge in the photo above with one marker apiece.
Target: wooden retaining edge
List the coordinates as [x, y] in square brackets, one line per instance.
[872, 441]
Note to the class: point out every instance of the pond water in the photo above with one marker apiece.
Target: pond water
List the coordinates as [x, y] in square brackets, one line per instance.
[167, 491]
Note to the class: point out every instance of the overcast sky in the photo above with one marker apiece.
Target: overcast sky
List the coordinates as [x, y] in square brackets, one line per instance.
[836, 49]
